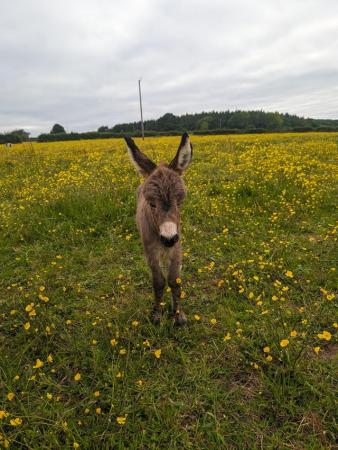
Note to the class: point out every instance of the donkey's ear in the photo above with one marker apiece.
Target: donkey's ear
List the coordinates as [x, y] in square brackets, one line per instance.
[142, 163]
[183, 155]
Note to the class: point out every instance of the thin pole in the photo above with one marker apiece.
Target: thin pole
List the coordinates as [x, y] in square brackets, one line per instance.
[139, 91]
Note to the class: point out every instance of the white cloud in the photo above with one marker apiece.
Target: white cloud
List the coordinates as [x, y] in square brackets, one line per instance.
[77, 63]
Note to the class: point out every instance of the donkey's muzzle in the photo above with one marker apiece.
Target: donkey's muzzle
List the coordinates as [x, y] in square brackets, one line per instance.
[169, 242]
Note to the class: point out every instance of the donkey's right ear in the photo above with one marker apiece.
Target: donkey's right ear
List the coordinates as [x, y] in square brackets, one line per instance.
[143, 164]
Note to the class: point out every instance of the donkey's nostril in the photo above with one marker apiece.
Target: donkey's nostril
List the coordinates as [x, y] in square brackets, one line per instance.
[175, 238]
[169, 242]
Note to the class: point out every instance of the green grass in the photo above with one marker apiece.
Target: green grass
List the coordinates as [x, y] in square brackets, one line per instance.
[68, 234]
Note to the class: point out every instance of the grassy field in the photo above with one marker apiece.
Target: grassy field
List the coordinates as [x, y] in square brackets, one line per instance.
[81, 365]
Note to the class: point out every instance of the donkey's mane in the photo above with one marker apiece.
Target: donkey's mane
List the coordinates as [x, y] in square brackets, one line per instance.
[164, 185]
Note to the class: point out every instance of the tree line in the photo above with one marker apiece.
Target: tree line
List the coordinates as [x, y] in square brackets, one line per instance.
[14, 137]
[214, 122]
[226, 120]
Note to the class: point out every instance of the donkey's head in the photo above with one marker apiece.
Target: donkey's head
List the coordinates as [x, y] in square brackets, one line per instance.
[163, 189]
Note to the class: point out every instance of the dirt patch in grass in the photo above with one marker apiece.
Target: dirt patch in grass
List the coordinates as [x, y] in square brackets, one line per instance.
[330, 351]
[248, 386]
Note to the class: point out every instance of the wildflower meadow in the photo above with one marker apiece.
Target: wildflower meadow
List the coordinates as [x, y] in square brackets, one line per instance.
[81, 364]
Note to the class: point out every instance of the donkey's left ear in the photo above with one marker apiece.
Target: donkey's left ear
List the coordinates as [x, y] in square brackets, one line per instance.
[183, 156]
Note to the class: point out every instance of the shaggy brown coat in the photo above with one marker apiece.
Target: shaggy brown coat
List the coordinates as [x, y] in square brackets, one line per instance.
[159, 200]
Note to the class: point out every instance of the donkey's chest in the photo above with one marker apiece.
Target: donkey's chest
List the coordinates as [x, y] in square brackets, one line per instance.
[164, 256]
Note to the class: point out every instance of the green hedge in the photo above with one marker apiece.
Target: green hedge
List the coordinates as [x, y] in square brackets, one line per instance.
[219, 131]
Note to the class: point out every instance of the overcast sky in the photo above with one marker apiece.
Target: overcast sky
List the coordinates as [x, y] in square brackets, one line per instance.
[77, 62]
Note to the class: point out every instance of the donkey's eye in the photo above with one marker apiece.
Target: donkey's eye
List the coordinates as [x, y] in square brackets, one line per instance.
[152, 205]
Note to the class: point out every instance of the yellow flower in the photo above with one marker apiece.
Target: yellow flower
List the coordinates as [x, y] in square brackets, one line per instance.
[266, 349]
[29, 307]
[316, 350]
[16, 422]
[183, 295]
[43, 298]
[284, 342]
[325, 335]
[123, 351]
[157, 353]
[121, 420]
[269, 358]
[38, 364]
[10, 396]
[113, 342]
[49, 396]
[213, 321]
[97, 394]
[178, 280]
[50, 358]
[76, 445]
[289, 274]
[197, 317]
[86, 411]
[251, 295]
[135, 323]
[27, 326]
[98, 410]
[227, 337]
[77, 377]
[293, 333]
[274, 298]
[3, 414]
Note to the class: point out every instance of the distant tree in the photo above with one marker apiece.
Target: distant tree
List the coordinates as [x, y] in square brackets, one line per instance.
[168, 122]
[239, 119]
[103, 129]
[57, 128]
[204, 123]
[21, 134]
[273, 121]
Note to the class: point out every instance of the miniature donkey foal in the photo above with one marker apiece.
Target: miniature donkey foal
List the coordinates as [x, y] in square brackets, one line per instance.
[159, 200]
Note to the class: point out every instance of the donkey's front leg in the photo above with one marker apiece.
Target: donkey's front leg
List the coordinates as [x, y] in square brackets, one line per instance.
[158, 286]
[173, 275]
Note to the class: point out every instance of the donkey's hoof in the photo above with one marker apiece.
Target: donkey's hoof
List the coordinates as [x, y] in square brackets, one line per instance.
[156, 317]
[180, 319]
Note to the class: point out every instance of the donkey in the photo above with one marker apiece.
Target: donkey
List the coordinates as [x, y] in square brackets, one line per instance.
[159, 200]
